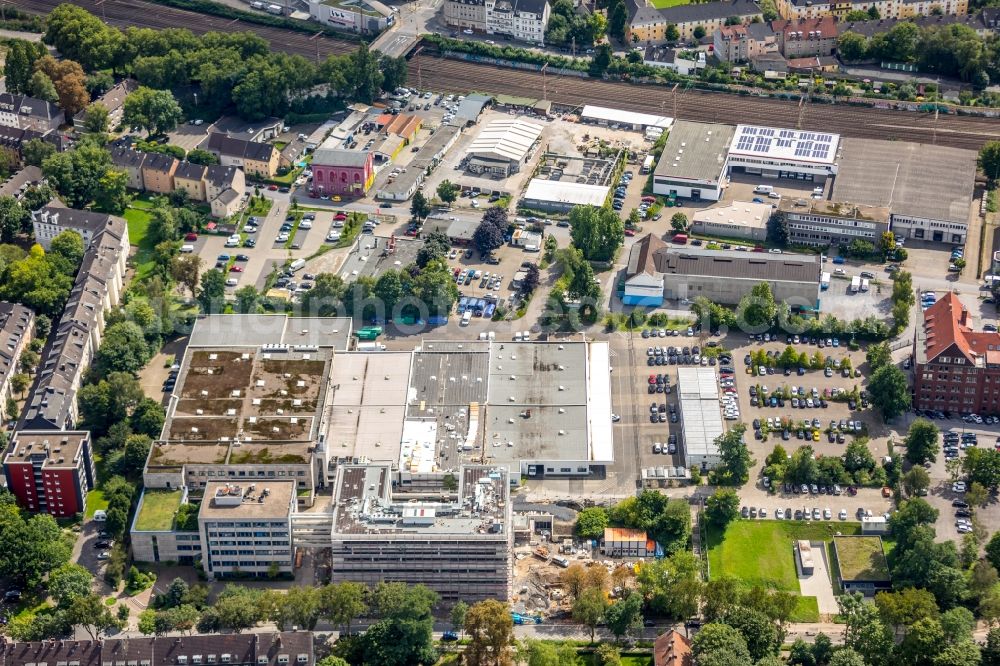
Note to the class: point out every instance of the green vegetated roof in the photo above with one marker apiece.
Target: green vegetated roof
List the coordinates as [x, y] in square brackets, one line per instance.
[158, 510]
[861, 558]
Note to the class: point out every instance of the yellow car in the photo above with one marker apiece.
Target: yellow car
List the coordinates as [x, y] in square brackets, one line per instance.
[815, 435]
[335, 197]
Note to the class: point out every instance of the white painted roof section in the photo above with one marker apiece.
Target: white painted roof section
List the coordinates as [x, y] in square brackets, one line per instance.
[505, 139]
[785, 144]
[700, 413]
[560, 191]
[602, 447]
[592, 112]
[417, 447]
[738, 213]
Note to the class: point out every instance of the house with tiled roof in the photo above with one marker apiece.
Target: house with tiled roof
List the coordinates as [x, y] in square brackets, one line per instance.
[17, 324]
[741, 43]
[806, 37]
[158, 173]
[643, 282]
[130, 161]
[672, 649]
[956, 368]
[648, 25]
[256, 159]
[25, 112]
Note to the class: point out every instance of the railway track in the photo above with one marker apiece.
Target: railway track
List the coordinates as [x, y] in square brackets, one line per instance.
[461, 77]
[125, 13]
[456, 76]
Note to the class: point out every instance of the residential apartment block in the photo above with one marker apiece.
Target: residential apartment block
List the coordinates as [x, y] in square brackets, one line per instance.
[744, 42]
[17, 325]
[286, 648]
[256, 159]
[246, 529]
[822, 222]
[73, 343]
[222, 187]
[807, 37]
[114, 101]
[25, 112]
[649, 25]
[50, 471]
[459, 547]
[986, 22]
[955, 368]
[887, 9]
[522, 20]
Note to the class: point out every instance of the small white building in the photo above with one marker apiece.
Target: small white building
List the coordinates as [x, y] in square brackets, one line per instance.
[361, 16]
[559, 195]
[602, 115]
[740, 219]
[694, 162]
[804, 555]
[502, 146]
[874, 525]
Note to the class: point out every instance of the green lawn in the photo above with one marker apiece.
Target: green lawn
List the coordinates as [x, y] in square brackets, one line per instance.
[760, 553]
[96, 500]
[138, 218]
[158, 510]
[664, 4]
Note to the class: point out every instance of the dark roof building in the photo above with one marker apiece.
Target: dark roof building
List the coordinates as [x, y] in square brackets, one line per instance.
[26, 112]
[223, 144]
[287, 648]
[984, 23]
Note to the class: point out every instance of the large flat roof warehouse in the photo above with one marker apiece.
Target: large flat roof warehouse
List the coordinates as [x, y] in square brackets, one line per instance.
[257, 330]
[549, 402]
[785, 144]
[562, 192]
[739, 265]
[911, 179]
[505, 139]
[695, 152]
[698, 390]
[602, 113]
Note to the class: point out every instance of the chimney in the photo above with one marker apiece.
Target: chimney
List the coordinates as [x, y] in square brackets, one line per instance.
[964, 317]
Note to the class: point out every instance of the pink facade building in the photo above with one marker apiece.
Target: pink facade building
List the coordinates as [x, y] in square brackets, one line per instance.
[343, 172]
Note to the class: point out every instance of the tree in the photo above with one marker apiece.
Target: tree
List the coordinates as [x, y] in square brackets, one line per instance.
[332, 660]
[41, 87]
[904, 607]
[135, 454]
[19, 64]
[735, 460]
[889, 391]
[239, 608]
[699, 32]
[213, 291]
[69, 81]
[123, 349]
[342, 603]
[916, 481]
[69, 582]
[589, 608]
[531, 280]
[95, 119]
[757, 630]
[247, 299]
[457, 615]
[436, 247]
[679, 222]
[35, 151]
[921, 442]
[617, 19]
[447, 191]
[156, 111]
[878, 355]
[19, 383]
[624, 617]
[608, 655]
[491, 634]
[13, 218]
[36, 282]
[989, 160]
[597, 232]
[716, 640]
[487, 237]
[846, 657]
[758, 308]
[185, 270]
[91, 613]
[419, 206]
[777, 228]
[199, 156]
[112, 192]
[76, 174]
[591, 522]
[299, 607]
[722, 507]
[982, 466]
[672, 33]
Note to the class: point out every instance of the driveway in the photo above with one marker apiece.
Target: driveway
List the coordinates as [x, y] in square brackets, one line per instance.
[819, 584]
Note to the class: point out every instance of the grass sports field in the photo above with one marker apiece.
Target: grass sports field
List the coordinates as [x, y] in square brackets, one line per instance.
[760, 553]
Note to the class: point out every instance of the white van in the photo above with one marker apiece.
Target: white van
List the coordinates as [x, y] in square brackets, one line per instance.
[232, 282]
[466, 318]
[100, 515]
[297, 265]
[233, 241]
[763, 189]
[187, 249]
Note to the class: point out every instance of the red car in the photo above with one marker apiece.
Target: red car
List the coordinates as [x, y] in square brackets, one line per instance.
[273, 188]
[652, 379]
[649, 199]
[191, 236]
[340, 216]
[629, 232]
[235, 269]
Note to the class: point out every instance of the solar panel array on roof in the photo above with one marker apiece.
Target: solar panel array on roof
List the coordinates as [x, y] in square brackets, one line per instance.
[785, 142]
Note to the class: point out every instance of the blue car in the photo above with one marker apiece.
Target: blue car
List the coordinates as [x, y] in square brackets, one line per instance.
[839, 260]
[449, 636]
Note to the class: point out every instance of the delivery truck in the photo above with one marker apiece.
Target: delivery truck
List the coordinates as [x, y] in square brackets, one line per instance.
[855, 284]
[824, 281]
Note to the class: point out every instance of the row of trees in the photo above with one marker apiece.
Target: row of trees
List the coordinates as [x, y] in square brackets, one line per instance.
[855, 467]
[233, 69]
[668, 522]
[952, 50]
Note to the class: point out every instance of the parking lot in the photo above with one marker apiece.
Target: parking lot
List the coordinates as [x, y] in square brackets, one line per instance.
[942, 491]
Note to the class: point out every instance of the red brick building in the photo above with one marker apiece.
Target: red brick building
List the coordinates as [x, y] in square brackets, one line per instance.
[955, 368]
[342, 172]
[50, 471]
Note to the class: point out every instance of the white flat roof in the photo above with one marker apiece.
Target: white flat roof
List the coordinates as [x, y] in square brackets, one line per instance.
[628, 117]
[737, 214]
[602, 447]
[785, 144]
[700, 413]
[558, 191]
[505, 139]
